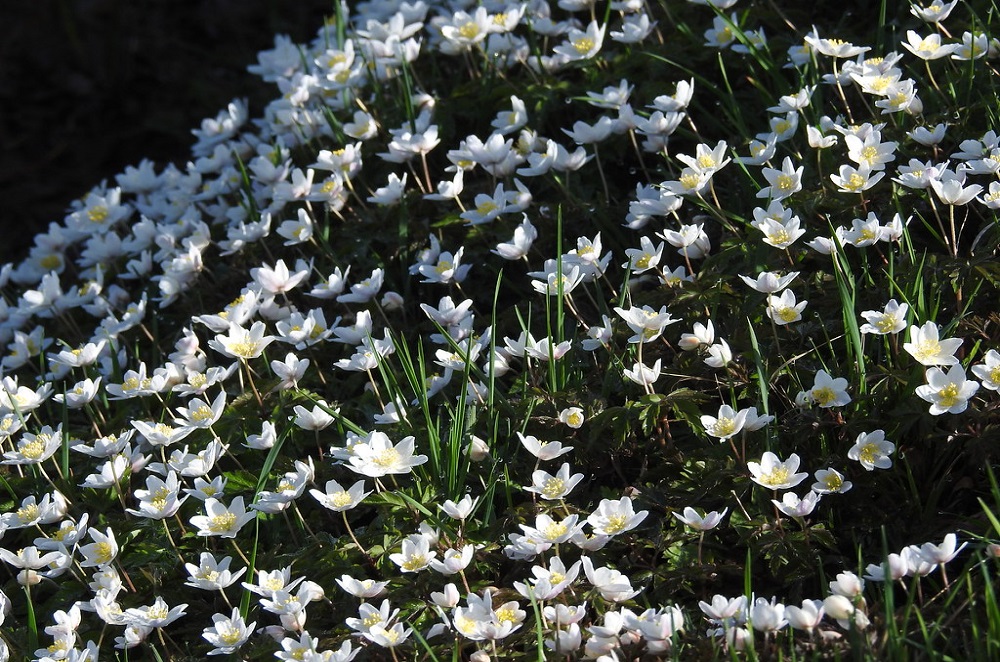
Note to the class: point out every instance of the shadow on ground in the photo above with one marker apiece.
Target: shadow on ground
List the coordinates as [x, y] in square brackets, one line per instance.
[88, 87]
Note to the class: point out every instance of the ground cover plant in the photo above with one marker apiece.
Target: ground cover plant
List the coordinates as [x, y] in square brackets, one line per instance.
[580, 330]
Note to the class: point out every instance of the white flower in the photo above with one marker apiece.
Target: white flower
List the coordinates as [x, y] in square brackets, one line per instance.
[211, 575]
[783, 183]
[379, 457]
[947, 392]
[241, 343]
[228, 633]
[989, 370]
[582, 45]
[891, 320]
[926, 347]
[943, 553]
[727, 424]
[719, 355]
[830, 481]
[775, 474]
[828, 391]
[784, 309]
[543, 450]
[571, 417]
[872, 450]
[793, 506]
[643, 374]
[220, 520]
[338, 499]
[415, 554]
[614, 516]
[552, 487]
[769, 282]
[692, 518]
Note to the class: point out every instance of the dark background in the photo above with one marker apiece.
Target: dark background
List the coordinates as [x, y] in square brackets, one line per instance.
[88, 87]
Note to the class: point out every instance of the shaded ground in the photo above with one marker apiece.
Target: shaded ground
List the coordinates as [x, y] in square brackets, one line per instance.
[90, 86]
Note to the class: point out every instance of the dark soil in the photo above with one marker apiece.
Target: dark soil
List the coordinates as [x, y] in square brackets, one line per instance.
[88, 87]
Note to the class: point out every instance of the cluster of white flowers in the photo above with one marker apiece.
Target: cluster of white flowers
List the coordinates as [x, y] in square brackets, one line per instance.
[84, 295]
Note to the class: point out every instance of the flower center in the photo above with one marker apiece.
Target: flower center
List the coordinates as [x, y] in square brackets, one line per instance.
[886, 324]
[948, 396]
[553, 488]
[615, 524]
[341, 499]
[927, 349]
[202, 413]
[775, 477]
[98, 214]
[583, 45]
[34, 449]
[554, 530]
[414, 562]
[103, 553]
[28, 513]
[823, 395]
[469, 30]
[221, 523]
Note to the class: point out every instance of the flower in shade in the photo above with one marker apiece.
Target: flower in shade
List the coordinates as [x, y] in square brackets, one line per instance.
[696, 521]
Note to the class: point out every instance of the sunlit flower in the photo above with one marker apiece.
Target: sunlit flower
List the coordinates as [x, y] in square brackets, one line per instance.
[580, 44]
[947, 392]
[828, 391]
[926, 347]
[872, 450]
[228, 633]
[776, 474]
[614, 516]
[543, 450]
[337, 498]
[415, 554]
[219, 520]
[989, 370]
[855, 180]
[379, 457]
[782, 183]
[784, 309]
[891, 320]
[556, 486]
[727, 424]
[211, 574]
[830, 481]
[241, 343]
